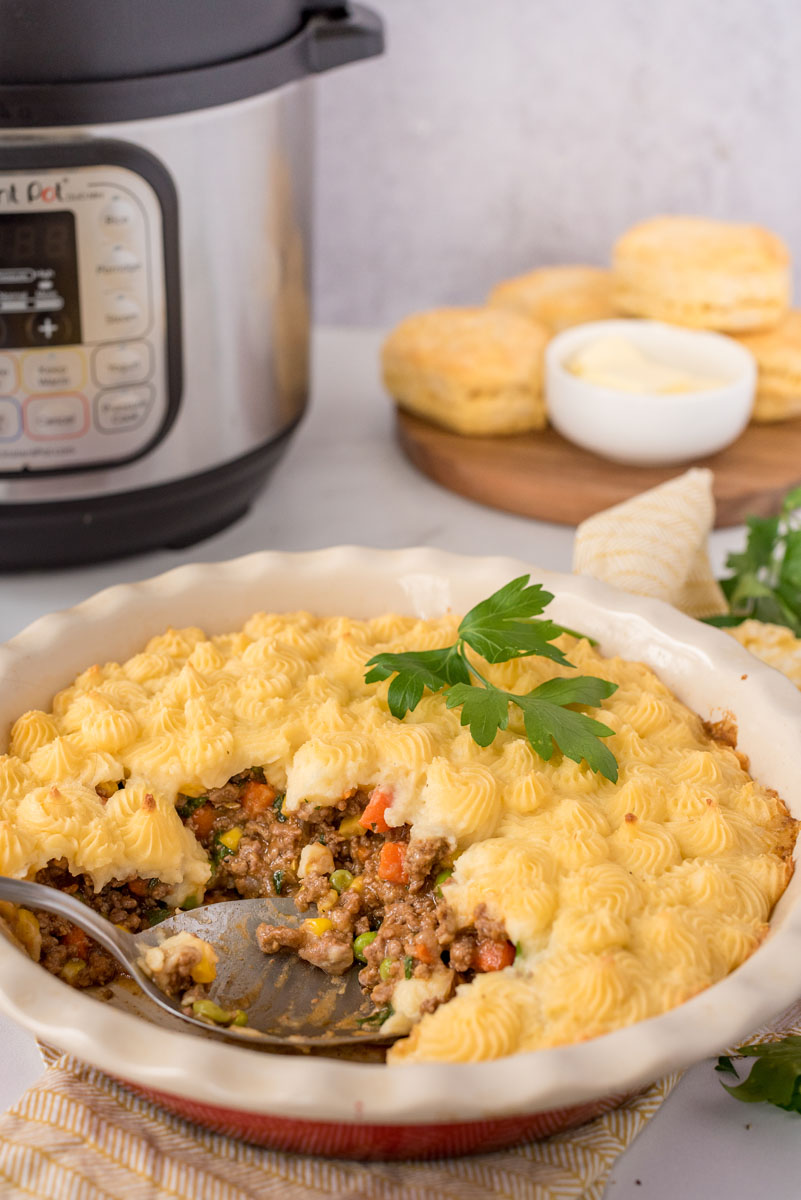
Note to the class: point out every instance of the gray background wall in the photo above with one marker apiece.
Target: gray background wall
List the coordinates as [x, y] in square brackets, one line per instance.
[495, 135]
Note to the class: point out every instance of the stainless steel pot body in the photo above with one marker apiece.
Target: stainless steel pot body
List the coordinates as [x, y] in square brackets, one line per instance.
[224, 196]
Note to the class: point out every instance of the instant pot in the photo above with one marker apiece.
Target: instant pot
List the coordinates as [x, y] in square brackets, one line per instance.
[155, 173]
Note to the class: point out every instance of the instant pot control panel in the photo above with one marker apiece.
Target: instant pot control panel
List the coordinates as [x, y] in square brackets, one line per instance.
[90, 358]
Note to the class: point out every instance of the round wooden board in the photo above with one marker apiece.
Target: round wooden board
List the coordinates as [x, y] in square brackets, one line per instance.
[541, 475]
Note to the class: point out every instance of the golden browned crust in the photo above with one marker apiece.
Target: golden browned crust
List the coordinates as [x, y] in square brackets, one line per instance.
[474, 370]
[724, 730]
[778, 355]
[703, 273]
[559, 296]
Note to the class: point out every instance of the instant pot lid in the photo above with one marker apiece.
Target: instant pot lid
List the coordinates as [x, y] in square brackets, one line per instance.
[69, 62]
[48, 41]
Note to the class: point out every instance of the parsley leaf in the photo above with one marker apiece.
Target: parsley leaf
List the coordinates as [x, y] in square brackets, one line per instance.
[501, 628]
[549, 723]
[485, 710]
[765, 583]
[775, 1077]
[414, 672]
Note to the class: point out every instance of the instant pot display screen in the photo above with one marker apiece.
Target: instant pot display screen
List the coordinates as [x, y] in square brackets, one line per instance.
[38, 280]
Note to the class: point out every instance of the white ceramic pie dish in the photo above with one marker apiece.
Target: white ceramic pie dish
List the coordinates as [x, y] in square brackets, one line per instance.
[258, 1092]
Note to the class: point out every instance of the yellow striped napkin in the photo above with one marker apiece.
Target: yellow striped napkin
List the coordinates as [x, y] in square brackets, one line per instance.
[78, 1135]
[655, 545]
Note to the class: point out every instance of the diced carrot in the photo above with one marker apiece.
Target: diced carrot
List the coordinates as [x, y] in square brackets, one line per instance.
[202, 821]
[257, 798]
[392, 863]
[139, 887]
[421, 951]
[493, 956]
[77, 942]
[373, 815]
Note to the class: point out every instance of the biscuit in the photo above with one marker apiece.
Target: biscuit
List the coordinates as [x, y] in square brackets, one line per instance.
[473, 370]
[702, 273]
[778, 355]
[558, 296]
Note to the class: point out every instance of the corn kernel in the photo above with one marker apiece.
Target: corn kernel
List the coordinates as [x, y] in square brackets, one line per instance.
[351, 827]
[358, 884]
[192, 790]
[27, 930]
[205, 971]
[328, 901]
[231, 838]
[318, 925]
[72, 969]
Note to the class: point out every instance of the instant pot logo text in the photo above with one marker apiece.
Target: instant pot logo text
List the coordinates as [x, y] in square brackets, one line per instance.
[34, 190]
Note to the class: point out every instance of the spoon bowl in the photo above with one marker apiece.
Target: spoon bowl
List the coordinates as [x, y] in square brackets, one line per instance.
[288, 1001]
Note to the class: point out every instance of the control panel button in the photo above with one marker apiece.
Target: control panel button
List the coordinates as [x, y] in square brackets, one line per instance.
[53, 370]
[10, 421]
[125, 362]
[118, 216]
[123, 409]
[49, 418]
[121, 311]
[119, 263]
[9, 378]
[49, 330]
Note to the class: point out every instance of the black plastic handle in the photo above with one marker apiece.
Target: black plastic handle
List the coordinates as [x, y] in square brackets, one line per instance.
[343, 35]
[329, 38]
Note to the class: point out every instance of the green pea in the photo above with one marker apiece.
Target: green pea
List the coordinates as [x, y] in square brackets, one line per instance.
[191, 901]
[241, 1017]
[341, 880]
[440, 879]
[361, 943]
[207, 1010]
[385, 970]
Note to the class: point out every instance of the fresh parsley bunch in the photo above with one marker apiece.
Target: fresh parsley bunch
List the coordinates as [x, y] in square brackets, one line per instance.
[775, 1076]
[766, 577]
[501, 628]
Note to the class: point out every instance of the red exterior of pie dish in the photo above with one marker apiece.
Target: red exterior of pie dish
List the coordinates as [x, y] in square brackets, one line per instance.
[380, 1142]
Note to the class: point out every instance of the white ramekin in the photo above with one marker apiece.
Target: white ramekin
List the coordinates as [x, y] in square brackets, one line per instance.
[650, 429]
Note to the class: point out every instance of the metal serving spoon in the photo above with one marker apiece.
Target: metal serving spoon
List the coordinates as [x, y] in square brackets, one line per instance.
[288, 1001]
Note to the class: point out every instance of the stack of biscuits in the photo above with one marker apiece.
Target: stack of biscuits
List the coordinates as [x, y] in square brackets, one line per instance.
[479, 370]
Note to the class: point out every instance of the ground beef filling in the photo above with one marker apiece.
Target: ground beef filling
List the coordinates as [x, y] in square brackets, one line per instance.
[66, 949]
[378, 895]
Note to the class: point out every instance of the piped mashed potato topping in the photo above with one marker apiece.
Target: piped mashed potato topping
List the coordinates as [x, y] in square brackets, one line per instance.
[622, 899]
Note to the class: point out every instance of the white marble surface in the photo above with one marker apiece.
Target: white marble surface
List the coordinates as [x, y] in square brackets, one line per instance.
[493, 137]
[344, 480]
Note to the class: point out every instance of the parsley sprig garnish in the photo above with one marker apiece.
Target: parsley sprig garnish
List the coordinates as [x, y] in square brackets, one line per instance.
[501, 628]
[765, 583]
[775, 1076]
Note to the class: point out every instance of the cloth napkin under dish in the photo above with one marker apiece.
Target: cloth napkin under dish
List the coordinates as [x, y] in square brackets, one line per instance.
[656, 545]
[78, 1135]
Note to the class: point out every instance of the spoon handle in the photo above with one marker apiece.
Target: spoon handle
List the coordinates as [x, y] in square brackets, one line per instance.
[118, 942]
